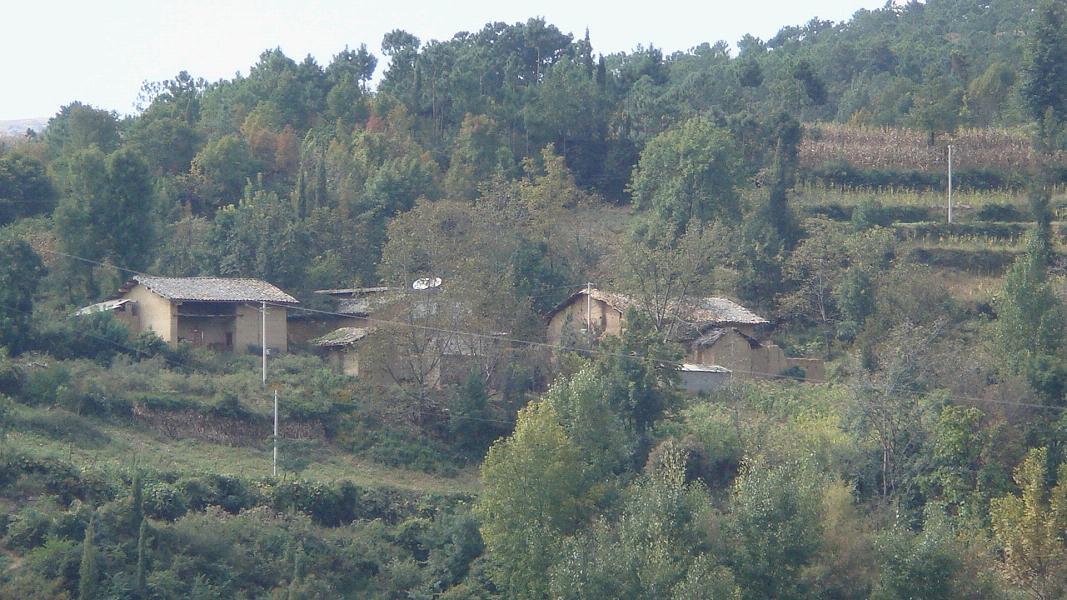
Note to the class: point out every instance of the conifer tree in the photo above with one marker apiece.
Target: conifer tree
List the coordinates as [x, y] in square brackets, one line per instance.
[89, 572]
[142, 543]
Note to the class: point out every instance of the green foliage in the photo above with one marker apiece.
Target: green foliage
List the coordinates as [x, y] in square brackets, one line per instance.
[106, 209]
[79, 126]
[1030, 527]
[1030, 323]
[774, 527]
[89, 571]
[654, 549]
[536, 490]
[20, 272]
[1044, 86]
[25, 188]
[689, 173]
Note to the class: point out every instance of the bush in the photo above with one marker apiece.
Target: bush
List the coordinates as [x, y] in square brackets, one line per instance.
[1000, 212]
[164, 501]
[841, 174]
[11, 376]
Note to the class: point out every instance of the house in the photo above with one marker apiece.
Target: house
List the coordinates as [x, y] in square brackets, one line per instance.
[598, 313]
[411, 336]
[339, 348]
[342, 308]
[715, 331]
[219, 313]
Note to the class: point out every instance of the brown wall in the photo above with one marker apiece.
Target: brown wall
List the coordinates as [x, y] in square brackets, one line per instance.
[605, 319]
[248, 328]
[768, 360]
[154, 313]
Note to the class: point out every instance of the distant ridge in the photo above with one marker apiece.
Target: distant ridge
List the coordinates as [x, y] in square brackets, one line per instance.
[17, 127]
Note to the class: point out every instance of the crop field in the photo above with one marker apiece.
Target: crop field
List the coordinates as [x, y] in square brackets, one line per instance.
[908, 149]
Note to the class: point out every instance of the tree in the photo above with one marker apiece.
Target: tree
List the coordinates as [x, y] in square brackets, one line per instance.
[79, 126]
[106, 212]
[816, 268]
[653, 550]
[1030, 317]
[20, 271]
[222, 168]
[1044, 86]
[142, 560]
[593, 421]
[661, 270]
[89, 571]
[689, 173]
[137, 499]
[936, 107]
[478, 155]
[774, 527]
[25, 188]
[535, 491]
[1030, 528]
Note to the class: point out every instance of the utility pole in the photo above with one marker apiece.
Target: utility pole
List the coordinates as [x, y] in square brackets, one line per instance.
[275, 433]
[950, 183]
[263, 347]
[589, 307]
[263, 338]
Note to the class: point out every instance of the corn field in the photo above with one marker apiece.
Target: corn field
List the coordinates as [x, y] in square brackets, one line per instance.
[1006, 150]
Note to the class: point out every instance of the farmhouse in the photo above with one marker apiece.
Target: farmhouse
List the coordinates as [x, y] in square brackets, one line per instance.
[341, 309]
[219, 313]
[715, 332]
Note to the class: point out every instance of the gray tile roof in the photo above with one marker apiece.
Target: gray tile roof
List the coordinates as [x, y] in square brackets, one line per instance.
[211, 289]
[344, 336]
[700, 313]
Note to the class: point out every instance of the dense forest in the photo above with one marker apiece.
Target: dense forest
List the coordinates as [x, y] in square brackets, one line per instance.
[802, 175]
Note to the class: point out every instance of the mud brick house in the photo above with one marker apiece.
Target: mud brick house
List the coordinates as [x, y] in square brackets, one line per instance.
[219, 313]
[714, 331]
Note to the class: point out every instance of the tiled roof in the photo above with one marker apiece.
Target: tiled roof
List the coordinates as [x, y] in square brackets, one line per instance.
[211, 289]
[695, 368]
[699, 313]
[344, 336]
[713, 335]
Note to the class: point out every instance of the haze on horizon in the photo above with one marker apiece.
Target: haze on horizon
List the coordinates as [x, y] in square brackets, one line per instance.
[100, 53]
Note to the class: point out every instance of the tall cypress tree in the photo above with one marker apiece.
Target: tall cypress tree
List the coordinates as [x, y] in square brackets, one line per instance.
[142, 547]
[89, 571]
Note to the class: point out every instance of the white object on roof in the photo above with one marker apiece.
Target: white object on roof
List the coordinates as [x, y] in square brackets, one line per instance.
[102, 306]
[426, 283]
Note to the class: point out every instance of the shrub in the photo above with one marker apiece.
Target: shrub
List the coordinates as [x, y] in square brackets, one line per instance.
[164, 501]
[11, 376]
[1000, 212]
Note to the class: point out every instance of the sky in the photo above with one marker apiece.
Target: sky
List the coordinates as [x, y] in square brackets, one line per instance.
[56, 52]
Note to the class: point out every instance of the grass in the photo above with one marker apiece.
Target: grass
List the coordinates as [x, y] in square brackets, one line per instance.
[963, 203]
[124, 444]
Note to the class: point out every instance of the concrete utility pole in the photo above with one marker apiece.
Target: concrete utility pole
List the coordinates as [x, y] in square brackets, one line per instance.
[950, 183]
[589, 307]
[263, 339]
[275, 433]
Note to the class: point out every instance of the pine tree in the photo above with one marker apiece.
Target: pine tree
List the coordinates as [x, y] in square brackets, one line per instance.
[142, 543]
[89, 572]
[136, 499]
[1044, 88]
